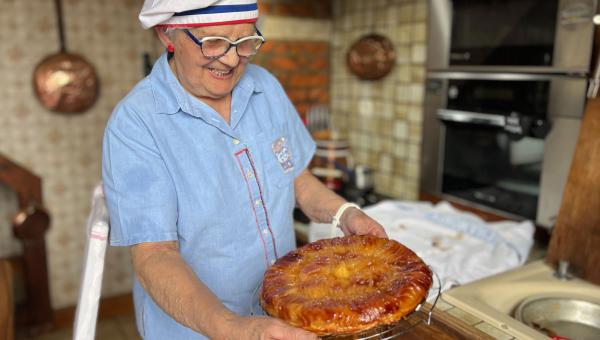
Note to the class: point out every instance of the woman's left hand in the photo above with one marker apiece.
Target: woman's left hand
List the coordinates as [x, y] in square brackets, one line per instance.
[356, 222]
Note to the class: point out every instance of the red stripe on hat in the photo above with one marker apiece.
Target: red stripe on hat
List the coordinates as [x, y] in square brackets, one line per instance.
[216, 23]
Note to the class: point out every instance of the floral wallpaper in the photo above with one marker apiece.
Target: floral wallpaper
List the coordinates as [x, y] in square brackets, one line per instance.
[381, 119]
[65, 150]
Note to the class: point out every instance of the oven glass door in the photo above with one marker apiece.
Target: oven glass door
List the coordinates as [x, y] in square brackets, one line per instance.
[503, 32]
[486, 165]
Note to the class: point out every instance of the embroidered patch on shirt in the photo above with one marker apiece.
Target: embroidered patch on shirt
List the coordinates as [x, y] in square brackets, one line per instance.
[283, 154]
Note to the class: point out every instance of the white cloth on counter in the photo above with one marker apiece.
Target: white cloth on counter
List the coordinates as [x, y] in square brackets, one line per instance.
[459, 246]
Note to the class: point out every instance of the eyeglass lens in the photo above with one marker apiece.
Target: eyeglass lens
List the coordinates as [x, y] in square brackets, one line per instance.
[217, 47]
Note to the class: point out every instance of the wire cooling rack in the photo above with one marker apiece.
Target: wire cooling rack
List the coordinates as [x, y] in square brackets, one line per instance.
[422, 314]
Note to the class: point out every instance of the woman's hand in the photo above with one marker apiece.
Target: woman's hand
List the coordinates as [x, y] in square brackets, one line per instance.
[356, 222]
[266, 328]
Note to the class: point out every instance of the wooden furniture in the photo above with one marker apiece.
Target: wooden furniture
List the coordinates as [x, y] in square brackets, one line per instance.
[30, 224]
[576, 235]
[444, 327]
[6, 302]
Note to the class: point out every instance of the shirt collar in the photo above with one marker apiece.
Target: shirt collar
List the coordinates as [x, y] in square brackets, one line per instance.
[170, 97]
[165, 87]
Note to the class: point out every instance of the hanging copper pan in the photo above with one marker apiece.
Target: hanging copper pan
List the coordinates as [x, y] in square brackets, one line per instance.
[65, 82]
[372, 57]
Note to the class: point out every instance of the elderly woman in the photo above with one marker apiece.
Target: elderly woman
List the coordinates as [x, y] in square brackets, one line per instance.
[203, 163]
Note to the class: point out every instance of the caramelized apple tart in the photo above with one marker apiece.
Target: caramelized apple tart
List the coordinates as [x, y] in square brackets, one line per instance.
[345, 285]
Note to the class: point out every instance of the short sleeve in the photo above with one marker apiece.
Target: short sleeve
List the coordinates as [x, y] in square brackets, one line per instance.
[140, 193]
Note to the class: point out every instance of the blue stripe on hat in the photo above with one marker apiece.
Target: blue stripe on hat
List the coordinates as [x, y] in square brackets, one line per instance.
[219, 9]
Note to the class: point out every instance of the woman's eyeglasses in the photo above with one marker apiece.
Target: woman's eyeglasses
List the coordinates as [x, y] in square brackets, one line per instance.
[216, 47]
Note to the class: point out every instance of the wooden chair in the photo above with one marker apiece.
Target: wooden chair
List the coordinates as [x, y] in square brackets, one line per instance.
[30, 224]
[6, 302]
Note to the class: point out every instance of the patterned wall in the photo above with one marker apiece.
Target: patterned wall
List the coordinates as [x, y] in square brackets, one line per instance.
[65, 150]
[382, 119]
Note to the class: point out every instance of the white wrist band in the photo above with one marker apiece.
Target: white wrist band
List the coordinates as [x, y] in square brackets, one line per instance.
[338, 215]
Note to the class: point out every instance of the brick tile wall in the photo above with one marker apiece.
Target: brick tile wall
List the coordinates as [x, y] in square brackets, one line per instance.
[320, 9]
[302, 67]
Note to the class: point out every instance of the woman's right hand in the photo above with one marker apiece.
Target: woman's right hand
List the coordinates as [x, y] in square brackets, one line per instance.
[266, 328]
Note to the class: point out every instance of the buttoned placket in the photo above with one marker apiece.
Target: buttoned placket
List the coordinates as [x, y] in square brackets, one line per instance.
[256, 199]
[240, 99]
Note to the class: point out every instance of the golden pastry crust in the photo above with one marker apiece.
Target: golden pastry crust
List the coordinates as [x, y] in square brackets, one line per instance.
[345, 285]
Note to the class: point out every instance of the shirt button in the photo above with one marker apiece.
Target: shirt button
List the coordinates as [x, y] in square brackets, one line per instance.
[272, 261]
[236, 141]
[257, 203]
[249, 174]
[265, 231]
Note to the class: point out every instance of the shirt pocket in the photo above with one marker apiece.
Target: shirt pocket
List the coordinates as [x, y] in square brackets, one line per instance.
[277, 156]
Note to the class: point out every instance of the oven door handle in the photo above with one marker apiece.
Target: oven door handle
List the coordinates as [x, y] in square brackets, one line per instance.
[471, 117]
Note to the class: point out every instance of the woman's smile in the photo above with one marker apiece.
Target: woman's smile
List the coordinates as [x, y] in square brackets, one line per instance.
[220, 73]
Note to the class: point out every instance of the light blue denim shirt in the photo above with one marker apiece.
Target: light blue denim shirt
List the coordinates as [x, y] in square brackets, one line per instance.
[173, 169]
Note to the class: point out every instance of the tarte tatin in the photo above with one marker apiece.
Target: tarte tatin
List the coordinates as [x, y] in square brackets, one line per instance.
[345, 285]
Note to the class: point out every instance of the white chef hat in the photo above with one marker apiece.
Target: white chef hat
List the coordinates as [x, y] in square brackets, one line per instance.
[185, 13]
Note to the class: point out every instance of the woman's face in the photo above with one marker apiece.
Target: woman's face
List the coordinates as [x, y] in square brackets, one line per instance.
[205, 78]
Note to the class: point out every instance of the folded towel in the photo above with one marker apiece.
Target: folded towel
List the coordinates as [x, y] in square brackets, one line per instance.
[459, 246]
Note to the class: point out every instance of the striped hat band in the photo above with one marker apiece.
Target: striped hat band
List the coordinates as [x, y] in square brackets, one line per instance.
[215, 15]
[186, 13]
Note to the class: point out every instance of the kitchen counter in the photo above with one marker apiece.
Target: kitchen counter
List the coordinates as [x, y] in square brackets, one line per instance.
[472, 321]
[445, 326]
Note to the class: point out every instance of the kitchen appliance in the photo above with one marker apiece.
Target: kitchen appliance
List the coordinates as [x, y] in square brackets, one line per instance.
[502, 141]
[501, 122]
[518, 35]
[360, 187]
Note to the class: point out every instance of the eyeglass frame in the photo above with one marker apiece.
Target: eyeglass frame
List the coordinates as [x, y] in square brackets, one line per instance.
[231, 43]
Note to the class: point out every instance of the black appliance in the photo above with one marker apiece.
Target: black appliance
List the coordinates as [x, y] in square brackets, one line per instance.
[505, 92]
[524, 35]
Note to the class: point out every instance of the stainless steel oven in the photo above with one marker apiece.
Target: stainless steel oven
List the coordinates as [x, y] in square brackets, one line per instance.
[501, 141]
[543, 36]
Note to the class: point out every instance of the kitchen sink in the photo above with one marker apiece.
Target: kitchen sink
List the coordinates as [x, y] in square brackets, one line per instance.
[527, 293]
[568, 317]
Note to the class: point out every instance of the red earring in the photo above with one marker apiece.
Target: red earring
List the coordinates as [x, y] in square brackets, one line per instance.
[170, 48]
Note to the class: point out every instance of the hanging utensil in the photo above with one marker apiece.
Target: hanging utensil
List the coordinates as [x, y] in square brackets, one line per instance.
[65, 82]
[372, 57]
